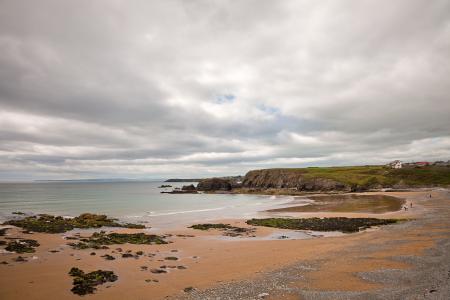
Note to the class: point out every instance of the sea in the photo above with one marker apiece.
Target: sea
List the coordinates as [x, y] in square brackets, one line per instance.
[131, 201]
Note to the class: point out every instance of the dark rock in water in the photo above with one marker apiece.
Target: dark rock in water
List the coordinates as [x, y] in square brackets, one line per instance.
[85, 283]
[93, 253]
[52, 224]
[18, 213]
[342, 224]
[22, 246]
[214, 184]
[186, 189]
[164, 186]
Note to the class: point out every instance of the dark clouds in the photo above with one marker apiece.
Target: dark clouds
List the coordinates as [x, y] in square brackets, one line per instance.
[199, 88]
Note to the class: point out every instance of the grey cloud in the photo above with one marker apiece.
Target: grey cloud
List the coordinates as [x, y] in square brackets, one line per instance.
[116, 89]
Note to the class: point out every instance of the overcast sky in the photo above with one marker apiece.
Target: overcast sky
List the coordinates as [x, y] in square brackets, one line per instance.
[157, 89]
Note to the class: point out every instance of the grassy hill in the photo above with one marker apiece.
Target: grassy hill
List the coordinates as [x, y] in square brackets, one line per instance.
[358, 177]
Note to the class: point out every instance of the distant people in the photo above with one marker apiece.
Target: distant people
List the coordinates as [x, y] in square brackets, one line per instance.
[410, 205]
[430, 195]
[406, 208]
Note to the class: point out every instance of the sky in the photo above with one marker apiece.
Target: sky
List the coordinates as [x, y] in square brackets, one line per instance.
[160, 89]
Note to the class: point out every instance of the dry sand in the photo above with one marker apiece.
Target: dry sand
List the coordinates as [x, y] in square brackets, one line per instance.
[217, 266]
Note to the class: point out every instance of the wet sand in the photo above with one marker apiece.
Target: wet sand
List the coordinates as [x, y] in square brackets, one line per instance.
[375, 203]
[217, 265]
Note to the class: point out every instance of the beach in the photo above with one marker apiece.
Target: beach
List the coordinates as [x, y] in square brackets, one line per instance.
[216, 267]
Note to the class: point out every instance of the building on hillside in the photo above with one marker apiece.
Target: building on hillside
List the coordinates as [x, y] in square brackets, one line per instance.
[396, 164]
[421, 163]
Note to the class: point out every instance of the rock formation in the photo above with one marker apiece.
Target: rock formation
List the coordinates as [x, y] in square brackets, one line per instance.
[214, 184]
[286, 179]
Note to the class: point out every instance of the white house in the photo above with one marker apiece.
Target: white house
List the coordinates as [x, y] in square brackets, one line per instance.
[396, 164]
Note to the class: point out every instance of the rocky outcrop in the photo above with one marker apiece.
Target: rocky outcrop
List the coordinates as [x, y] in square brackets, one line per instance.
[189, 188]
[214, 184]
[289, 179]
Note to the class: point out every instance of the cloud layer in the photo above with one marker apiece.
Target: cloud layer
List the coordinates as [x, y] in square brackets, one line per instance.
[152, 89]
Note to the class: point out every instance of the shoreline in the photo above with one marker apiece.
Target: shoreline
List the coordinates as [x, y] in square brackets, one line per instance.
[217, 261]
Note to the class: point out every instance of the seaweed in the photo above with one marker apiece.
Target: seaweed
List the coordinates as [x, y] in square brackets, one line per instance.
[211, 226]
[22, 246]
[85, 283]
[98, 240]
[227, 229]
[57, 224]
[346, 225]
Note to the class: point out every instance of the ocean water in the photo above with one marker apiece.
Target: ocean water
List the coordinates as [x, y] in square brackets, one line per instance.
[131, 202]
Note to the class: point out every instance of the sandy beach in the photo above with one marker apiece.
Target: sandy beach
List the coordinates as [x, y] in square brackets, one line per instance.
[359, 265]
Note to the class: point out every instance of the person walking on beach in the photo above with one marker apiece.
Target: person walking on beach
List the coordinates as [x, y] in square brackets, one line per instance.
[410, 205]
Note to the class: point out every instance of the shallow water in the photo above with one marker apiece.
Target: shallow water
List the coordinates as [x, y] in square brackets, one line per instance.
[131, 202]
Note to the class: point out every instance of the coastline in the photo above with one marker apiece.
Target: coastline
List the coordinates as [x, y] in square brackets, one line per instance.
[214, 263]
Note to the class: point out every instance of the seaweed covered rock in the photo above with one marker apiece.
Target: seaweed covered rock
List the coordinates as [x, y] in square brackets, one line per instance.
[22, 246]
[211, 226]
[57, 224]
[85, 283]
[214, 184]
[342, 224]
[99, 239]
[227, 229]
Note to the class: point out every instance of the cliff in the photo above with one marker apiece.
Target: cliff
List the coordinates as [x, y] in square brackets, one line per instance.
[359, 178]
[289, 179]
